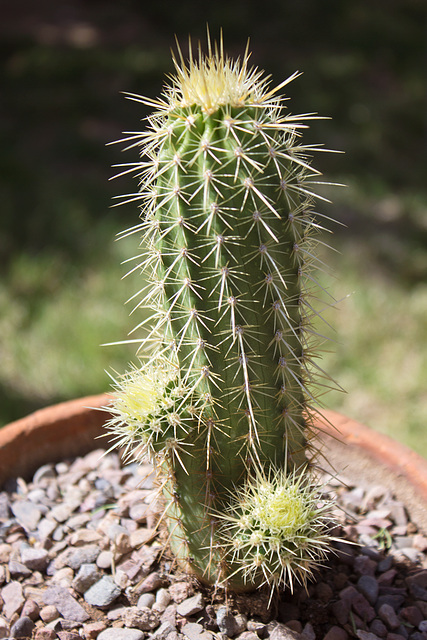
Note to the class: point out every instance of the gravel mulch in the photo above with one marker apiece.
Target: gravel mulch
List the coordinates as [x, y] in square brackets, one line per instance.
[80, 559]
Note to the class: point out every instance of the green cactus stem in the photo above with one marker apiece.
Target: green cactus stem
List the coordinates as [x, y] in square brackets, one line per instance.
[221, 403]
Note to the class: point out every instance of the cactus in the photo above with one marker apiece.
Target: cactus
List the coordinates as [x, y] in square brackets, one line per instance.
[221, 403]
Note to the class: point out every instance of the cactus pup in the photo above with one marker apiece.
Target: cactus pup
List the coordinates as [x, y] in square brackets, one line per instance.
[222, 399]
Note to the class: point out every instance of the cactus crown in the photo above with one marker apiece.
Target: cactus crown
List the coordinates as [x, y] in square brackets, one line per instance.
[229, 237]
[215, 80]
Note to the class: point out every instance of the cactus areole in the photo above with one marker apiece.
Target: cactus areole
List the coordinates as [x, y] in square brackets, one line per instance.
[220, 403]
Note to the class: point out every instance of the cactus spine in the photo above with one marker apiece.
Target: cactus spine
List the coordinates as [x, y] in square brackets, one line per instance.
[220, 404]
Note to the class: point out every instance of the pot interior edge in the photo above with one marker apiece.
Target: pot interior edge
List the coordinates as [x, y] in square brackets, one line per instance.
[72, 429]
[359, 467]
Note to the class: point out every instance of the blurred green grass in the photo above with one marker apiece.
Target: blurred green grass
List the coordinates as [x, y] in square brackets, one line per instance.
[61, 293]
[378, 348]
[58, 315]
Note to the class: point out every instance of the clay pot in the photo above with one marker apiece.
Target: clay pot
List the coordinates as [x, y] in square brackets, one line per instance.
[72, 428]
[52, 434]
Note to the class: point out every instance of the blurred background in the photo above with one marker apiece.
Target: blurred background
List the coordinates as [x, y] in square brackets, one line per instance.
[65, 65]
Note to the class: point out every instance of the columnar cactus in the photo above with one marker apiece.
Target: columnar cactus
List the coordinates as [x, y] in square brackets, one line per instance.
[221, 402]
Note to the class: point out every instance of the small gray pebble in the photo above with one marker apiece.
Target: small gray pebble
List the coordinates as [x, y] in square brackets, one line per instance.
[412, 554]
[67, 606]
[63, 577]
[163, 597]
[385, 564]
[241, 623]
[195, 631]
[395, 601]
[87, 575]
[364, 565]
[102, 593]
[169, 614]
[37, 495]
[419, 579]
[78, 521]
[115, 530]
[282, 632]
[371, 553]
[256, 627]
[225, 621]
[366, 635]
[163, 631]
[388, 616]
[146, 600]
[368, 586]
[378, 627]
[52, 491]
[27, 514]
[13, 599]
[144, 619]
[69, 625]
[4, 506]
[402, 631]
[308, 632]
[400, 542]
[45, 528]
[138, 511]
[74, 557]
[419, 593]
[58, 534]
[61, 468]
[23, 628]
[398, 513]
[105, 559]
[61, 512]
[45, 472]
[324, 592]
[121, 634]
[368, 542]
[34, 559]
[116, 612]
[102, 484]
[18, 570]
[191, 606]
[31, 609]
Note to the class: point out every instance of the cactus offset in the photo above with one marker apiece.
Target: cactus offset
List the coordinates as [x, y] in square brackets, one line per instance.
[220, 405]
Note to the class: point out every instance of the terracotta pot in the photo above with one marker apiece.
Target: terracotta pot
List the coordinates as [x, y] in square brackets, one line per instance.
[57, 432]
[72, 428]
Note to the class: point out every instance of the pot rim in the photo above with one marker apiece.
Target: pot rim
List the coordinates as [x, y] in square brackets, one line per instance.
[32, 441]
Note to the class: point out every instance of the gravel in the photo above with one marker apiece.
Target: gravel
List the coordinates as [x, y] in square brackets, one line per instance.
[80, 558]
[191, 606]
[102, 593]
[22, 628]
[65, 603]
